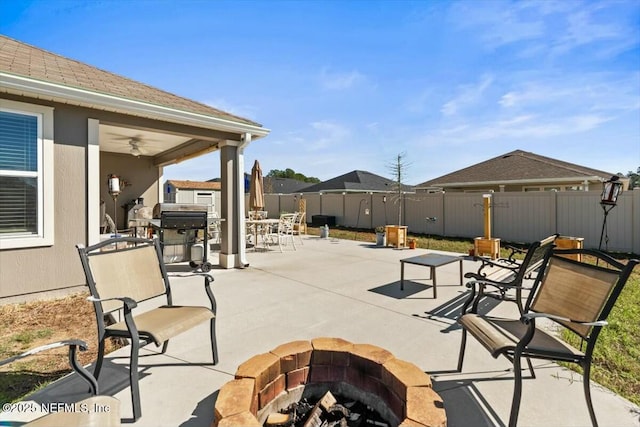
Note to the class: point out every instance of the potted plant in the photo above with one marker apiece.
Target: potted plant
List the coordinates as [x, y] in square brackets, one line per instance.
[381, 236]
[412, 243]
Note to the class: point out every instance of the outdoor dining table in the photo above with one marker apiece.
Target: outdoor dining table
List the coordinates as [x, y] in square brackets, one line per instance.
[260, 227]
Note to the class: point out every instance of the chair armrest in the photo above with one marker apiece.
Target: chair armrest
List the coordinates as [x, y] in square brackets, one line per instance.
[208, 278]
[488, 263]
[127, 302]
[487, 282]
[78, 343]
[514, 250]
[527, 317]
[73, 345]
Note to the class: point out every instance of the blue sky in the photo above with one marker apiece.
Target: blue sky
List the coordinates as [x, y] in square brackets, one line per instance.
[347, 85]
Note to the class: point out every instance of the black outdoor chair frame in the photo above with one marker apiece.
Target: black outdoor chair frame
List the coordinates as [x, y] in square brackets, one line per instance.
[520, 271]
[528, 320]
[137, 338]
[74, 346]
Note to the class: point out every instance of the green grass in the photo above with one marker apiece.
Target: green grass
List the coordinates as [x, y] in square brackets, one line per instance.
[25, 338]
[616, 362]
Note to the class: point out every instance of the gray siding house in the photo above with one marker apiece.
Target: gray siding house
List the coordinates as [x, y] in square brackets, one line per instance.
[519, 171]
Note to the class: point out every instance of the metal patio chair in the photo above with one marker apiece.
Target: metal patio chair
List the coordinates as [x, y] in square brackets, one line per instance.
[511, 287]
[109, 417]
[123, 272]
[575, 295]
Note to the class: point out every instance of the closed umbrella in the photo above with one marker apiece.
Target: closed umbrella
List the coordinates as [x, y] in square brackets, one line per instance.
[256, 188]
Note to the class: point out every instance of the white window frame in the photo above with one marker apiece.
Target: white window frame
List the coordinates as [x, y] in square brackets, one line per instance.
[45, 174]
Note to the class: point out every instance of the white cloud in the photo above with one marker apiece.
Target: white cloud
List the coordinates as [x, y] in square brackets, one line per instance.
[555, 27]
[340, 81]
[326, 134]
[467, 95]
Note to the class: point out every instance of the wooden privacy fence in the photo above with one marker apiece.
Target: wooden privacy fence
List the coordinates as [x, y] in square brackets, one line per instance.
[515, 217]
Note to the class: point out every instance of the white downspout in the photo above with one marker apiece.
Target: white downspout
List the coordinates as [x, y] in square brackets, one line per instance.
[245, 140]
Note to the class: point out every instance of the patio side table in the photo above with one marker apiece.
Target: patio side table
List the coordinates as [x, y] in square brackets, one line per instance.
[432, 261]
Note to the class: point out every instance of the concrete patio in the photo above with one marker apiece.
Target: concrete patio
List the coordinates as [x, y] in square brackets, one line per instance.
[346, 289]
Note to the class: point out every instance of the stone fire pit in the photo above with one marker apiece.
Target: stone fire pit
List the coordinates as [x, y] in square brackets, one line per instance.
[398, 390]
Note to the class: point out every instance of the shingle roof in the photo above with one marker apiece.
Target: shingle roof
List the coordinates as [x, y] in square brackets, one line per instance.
[194, 185]
[516, 166]
[24, 60]
[356, 181]
[284, 185]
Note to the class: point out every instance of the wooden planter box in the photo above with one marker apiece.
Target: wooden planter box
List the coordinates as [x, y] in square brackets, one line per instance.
[566, 242]
[483, 245]
[396, 235]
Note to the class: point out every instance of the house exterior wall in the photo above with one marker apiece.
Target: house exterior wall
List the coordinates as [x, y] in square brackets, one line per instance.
[520, 187]
[43, 272]
[140, 174]
[46, 269]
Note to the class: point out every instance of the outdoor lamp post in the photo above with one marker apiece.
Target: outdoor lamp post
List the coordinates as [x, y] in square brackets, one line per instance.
[611, 189]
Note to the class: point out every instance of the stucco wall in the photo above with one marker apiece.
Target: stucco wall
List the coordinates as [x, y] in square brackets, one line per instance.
[43, 272]
[33, 270]
[141, 176]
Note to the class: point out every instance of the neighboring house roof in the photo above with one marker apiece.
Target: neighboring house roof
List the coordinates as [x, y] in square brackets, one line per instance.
[356, 181]
[29, 70]
[194, 185]
[517, 167]
[284, 185]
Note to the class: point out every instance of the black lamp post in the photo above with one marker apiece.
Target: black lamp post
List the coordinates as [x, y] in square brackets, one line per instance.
[611, 189]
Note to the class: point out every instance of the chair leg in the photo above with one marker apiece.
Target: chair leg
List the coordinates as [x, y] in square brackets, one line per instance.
[463, 344]
[587, 393]
[133, 380]
[533, 374]
[517, 392]
[214, 342]
[98, 367]
[165, 345]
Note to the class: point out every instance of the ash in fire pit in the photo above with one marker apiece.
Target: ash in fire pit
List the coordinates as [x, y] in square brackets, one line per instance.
[327, 412]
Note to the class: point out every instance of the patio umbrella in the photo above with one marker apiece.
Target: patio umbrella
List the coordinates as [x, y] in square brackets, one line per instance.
[256, 188]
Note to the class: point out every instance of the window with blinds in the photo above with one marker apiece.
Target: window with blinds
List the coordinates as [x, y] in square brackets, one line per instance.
[20, 177]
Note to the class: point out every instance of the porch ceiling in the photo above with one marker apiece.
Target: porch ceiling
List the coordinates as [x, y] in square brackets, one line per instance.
[166, 148]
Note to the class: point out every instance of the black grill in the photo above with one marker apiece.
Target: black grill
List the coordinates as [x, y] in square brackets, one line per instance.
[183, 220]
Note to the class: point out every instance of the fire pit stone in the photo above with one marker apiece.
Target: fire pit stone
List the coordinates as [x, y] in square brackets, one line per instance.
[268, 382]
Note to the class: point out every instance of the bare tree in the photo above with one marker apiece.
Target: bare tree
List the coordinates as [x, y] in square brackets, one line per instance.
[398, 169]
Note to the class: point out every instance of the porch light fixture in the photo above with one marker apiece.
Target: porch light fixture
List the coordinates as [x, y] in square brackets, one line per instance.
[611, 189]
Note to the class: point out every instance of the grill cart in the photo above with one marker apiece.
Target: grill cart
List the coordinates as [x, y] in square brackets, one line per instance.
[177, 227]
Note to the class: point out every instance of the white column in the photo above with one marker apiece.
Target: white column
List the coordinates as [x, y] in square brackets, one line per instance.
[93, 182]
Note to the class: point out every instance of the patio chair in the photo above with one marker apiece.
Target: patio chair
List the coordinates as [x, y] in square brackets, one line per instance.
[123, 272]
[511, 287]
[300, 225]
[107, 418]
[283, 232]
[575, 295]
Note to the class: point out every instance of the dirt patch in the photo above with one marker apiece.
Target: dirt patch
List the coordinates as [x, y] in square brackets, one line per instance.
[29, 325]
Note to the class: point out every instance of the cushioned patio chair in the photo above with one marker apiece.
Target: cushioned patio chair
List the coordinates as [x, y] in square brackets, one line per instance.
[107, 418]
[575, 295]
[511, 287]
[123, 272]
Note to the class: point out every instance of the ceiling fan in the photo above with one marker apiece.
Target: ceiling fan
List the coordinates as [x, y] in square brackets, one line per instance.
[136, 142]
[135, 148]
